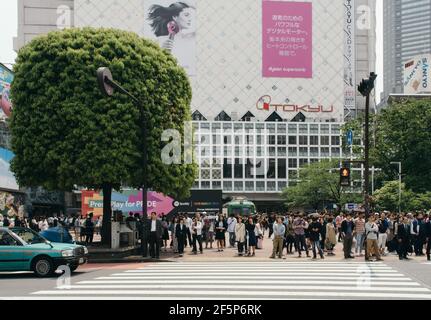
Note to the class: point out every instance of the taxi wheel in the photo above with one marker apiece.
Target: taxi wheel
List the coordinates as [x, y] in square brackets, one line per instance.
[43, 267]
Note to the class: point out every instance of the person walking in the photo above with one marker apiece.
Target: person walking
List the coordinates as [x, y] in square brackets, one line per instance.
[347, 229]
[231, 222]
[89, 229]
[372, 234]
[155, 232]
[383, 225]
[299, 227]
[197, 235]
[338, 221]
[331, 236]
[428, 237]
[258, 231]
[403, 236]
[172, 230]
[251, 233]
[418, 232]
[210, 234]
[240, 234]
[359, 232]
[188, 222]
[221, 227]
[181, 235]
[279, 230]
[165, 233]
[290, 237]
[315, 236]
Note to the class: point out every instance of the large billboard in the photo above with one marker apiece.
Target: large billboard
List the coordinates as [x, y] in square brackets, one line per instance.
[130, 201]
[6, 78]
[417, 76]
[7, 179]
[173, 25]
[287, 39]
[233, 66]
[349, 55]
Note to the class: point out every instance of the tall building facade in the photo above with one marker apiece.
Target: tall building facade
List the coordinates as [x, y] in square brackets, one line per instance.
[253, 130]
[407, 33]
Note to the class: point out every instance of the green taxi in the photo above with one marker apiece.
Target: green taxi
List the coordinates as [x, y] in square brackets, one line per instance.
[42, 257]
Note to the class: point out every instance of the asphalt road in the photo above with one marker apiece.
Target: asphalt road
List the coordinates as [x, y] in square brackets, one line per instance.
[229, 279]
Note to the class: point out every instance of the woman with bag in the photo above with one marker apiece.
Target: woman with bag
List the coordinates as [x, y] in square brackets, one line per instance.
[259, 235]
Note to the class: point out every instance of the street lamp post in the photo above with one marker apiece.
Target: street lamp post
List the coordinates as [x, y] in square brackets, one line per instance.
[108, 86]
[400, 183]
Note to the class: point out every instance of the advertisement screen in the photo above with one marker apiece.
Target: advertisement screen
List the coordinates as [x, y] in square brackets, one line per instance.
[130, 201]
[287, 39]
[6, 78]
[7, 179]
[417, 78]
[173, 25]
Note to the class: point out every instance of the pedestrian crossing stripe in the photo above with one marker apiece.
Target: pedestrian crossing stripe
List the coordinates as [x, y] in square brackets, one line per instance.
[244, 281]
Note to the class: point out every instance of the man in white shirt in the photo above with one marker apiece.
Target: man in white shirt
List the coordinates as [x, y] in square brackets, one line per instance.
[197, 233]
[231, 223]
[188, 222]
[155, 227]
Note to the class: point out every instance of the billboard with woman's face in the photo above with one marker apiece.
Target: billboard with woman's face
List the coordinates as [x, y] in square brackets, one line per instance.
[173, 25]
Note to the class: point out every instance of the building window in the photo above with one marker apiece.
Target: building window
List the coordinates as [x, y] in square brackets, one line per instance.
[281, 140]
[227, 185]
[335, 141]
[260, 186]
[293, 163]
[239, 169]
[292, 152]
[282, 169]
[239, 186]
[217, 185]
[271, 169]
[314, 140]
[271, 140]
[270, 186]
[292, 140]
[303, 140]
[249, 186]
[227, 168]
[205, 185]
[324, 140]
[303, 162]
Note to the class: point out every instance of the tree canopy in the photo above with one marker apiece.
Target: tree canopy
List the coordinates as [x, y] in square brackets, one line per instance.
[66, 133]
[319, 186]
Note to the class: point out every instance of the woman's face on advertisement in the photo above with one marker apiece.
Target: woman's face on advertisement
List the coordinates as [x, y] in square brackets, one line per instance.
[185, 19]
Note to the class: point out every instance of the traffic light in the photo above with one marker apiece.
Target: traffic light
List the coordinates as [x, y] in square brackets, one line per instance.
[367, 85]
[345, 177]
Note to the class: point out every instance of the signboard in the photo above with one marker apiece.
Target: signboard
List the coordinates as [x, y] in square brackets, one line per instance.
[6, 78]
[417, 77]
[130, 201]
[7, 179]
[349, 55]
[173, 25]
[12, 204]
[287, 39]
[351, 207]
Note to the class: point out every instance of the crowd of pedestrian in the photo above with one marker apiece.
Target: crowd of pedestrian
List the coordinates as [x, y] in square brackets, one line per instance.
[312, 236]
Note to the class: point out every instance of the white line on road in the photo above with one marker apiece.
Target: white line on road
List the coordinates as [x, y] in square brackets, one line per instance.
[234, 294]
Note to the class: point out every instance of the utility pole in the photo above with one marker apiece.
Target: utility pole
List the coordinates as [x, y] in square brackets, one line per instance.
[365, 88]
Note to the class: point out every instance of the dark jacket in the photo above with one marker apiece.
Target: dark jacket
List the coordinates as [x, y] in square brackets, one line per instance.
[315, 231]
[403, 232]
[159, 228]
[181, 232]
[344, 226]
[428, 229]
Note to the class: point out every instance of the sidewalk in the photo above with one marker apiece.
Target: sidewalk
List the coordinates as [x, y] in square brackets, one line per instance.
[231, 255]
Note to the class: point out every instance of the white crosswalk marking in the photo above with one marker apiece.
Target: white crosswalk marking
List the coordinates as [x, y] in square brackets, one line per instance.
[245, 281]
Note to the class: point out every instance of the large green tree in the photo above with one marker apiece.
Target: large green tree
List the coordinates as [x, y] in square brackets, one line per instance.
[403, 133]
[318, 186]
[66, 133]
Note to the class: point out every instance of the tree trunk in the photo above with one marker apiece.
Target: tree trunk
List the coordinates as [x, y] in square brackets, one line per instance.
[107, 215]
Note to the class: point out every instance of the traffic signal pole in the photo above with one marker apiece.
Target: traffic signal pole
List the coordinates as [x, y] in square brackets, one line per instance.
[367, 157]
[365, 88]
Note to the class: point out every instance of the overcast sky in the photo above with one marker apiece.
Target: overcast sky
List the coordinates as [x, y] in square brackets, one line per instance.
[9, 25]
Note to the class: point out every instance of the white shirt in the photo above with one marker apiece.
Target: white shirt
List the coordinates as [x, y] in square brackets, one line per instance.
[189, 222]
[231, 222]
[198, 228]
[153, 225]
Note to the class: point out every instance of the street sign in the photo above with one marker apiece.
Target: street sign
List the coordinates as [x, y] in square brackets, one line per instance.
[351, 206]
[350, 137]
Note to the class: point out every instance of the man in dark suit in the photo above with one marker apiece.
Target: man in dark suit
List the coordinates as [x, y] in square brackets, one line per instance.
[181, 235]
[403, 235]
[347, 229]
[155, 231]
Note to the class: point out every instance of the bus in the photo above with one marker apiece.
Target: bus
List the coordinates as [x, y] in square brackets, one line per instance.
[240, 206]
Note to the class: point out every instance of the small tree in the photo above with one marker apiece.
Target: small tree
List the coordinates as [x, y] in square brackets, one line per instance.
[319, 184]
[66, 133]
